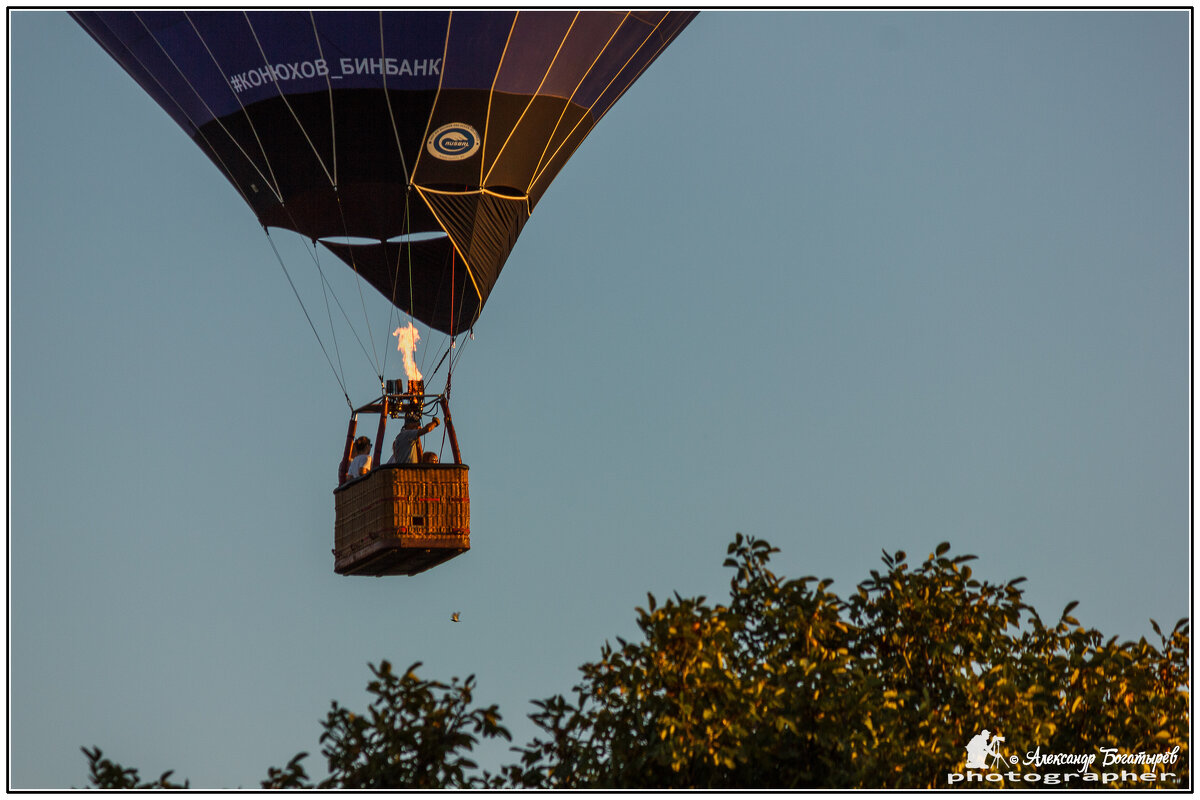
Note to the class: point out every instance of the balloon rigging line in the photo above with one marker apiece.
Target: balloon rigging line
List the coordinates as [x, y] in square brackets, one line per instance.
[359, 282]
[312, 253]
[183, 112]
[328, 290]
[483, 178]
[600, 115]
[405, 228]
[327, 286]
[345, 315]
[412, 300]
[487, 118]
[324, 280]
[538, 169]
[406, 248]
[271, 181]
[329, 85]
[329, 315]
[307, 317]
[440, 362]
[288, 106]
[391, 114]
[458, 352]
[437, 95]
[332, 178]
[446, 227]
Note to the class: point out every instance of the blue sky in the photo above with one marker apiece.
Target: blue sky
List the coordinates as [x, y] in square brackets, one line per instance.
[842, 280]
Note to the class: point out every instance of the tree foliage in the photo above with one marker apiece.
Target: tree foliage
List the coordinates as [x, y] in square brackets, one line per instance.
[791, 686]
[107, 775]
[417, 734]
[788, 686]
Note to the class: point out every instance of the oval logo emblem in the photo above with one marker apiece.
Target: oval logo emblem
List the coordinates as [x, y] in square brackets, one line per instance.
[453, 142]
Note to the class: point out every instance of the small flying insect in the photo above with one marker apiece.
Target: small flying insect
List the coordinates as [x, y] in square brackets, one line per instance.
[454, 617]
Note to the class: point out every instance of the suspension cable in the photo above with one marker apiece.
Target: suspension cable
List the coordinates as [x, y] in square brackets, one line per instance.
[287, 275]
[329, 312]
[327, 286]
[406, 229]
[359, 282]
[439, 364]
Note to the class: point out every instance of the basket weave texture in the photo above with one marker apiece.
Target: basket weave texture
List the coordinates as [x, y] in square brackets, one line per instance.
[403, 506]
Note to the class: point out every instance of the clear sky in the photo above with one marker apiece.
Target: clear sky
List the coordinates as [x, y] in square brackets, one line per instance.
[842, 280]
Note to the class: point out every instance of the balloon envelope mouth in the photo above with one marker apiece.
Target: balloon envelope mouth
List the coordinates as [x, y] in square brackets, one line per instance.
[419, 236]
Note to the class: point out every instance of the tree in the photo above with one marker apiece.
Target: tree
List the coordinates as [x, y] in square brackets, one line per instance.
[107, 775]
[791, 686]
[416, 735]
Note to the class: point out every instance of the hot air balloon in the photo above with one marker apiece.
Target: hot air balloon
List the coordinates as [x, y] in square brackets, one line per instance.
[413, 145]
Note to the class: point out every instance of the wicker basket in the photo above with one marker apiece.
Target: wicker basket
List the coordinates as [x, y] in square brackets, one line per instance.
[401, 519]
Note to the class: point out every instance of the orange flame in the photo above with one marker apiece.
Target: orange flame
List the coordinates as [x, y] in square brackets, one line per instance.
[406, 343]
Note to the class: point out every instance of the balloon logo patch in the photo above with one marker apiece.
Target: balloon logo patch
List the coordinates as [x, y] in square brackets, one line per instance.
[453, 142]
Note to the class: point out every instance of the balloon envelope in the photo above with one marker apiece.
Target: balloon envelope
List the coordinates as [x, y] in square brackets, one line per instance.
[381, 125]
